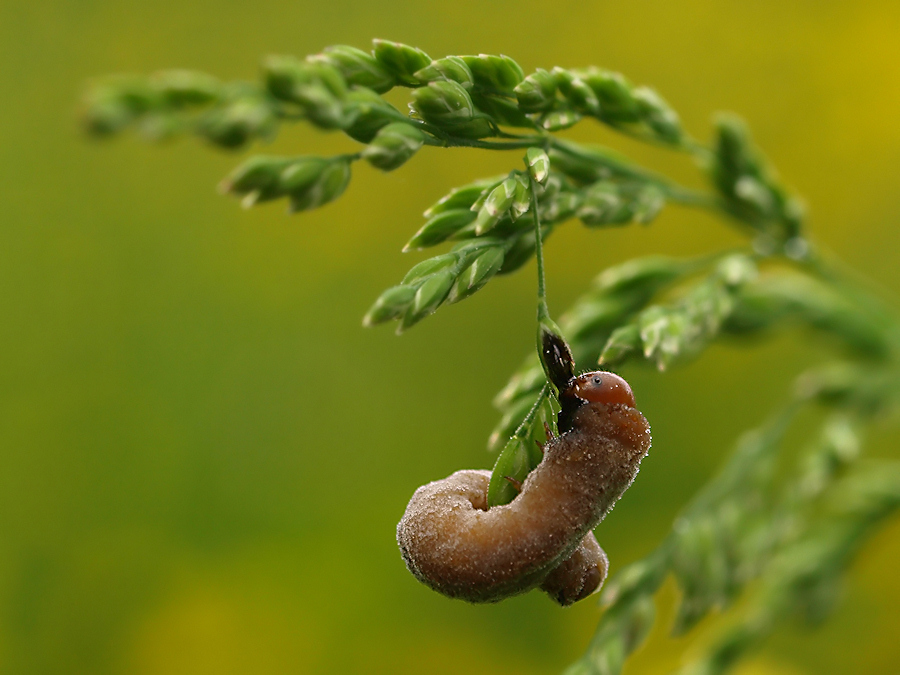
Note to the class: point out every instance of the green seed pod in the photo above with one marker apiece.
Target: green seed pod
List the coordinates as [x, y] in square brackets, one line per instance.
[497, 73]
[581, 170]
[662, 331]
[334, 181]
[495, 206]
[467, 233]
[604, 204]
[607, 203]
[391, 304]
[479, 127]
[576, 91]
[546, 418]
[538, 164]
[557, 120]
[519, 253]
[286, 77]
[393, 146]
[462, 197]
[756, 194]
[330, 78]
[736, 270]
[111, 105]
[369, 113]
[399, 59]
[647, 204]
[669, 332]
[282, 73]
[439, 228]
[322, 100]
[330, 184]
[430, 266]
[522, 199]
[485, 222]
[658, 115]
[161, 126]
[236, 122]
[837, 447]
[428, 298]
[581, 97]
[642, 276]
[301, 175]
[614, 94]
[511, 420]
[478, 273]
[735, 153]
[447, 104]
[184, 88]
[738, 171]
[537, 92]
[560, 207]
[701, 568]
[257, 178]
[793, 216]
[321, 107]
[513, 462]
[467, 250]
[105, 115]
[444, 103]
[358, 67]
[482, 198]
[447, 68]
[317, 87]
[587, 164]
[136, 93]
[552, 187]
[502, 110]
[501, 197]
[623, 341]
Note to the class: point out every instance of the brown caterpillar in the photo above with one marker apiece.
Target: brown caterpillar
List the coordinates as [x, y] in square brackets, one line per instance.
[454, 544]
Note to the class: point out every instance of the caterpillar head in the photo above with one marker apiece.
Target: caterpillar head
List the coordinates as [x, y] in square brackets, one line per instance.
[598, 386]
[602, 387]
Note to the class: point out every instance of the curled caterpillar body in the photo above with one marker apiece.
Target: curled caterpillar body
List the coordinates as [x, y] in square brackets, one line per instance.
[579, 575]
[454, 544]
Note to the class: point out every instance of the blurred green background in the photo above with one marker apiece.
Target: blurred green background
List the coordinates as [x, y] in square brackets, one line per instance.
[203, 455]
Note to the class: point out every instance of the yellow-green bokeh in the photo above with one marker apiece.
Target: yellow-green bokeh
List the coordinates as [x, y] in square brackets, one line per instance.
[202, 453]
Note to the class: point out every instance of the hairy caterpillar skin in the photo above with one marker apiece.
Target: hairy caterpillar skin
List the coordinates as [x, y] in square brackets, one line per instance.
[579, 575]
[454, 544]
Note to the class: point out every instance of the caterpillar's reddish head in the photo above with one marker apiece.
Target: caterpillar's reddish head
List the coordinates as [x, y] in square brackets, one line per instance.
[602, 387]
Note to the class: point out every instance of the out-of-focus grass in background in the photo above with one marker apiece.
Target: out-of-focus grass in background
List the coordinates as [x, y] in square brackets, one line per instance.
[202, 453]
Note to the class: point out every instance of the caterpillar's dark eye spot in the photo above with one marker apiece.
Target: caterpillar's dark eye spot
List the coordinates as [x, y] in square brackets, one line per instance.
[597, 380]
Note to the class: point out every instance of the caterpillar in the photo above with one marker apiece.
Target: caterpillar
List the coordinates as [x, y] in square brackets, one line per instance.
[452, 542]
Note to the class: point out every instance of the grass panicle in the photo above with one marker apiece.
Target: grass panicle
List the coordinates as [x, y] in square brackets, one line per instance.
[780, 543]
